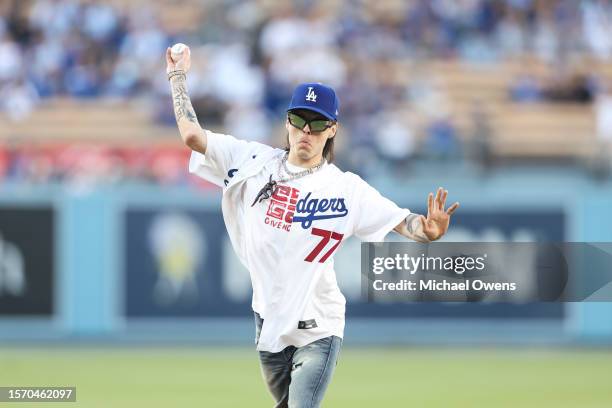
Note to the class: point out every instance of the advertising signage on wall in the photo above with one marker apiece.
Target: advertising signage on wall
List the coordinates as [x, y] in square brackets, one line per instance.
[181, 264]
[174, 265]
[27, 261]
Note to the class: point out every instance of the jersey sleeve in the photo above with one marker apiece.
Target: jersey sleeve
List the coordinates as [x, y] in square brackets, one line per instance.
[223, 153]
[376, 215]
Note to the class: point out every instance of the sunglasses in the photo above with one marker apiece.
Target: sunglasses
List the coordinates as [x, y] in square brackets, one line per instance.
[315, 125]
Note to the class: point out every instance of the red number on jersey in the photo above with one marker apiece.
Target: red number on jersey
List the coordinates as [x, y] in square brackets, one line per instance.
[326, 236]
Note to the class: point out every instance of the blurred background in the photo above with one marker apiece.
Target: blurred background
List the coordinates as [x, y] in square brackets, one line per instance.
[116, 273]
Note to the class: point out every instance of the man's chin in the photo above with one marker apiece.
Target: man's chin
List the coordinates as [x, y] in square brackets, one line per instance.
[304, 152]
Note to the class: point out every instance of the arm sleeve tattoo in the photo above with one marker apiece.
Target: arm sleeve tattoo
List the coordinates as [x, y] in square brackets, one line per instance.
[181, 101]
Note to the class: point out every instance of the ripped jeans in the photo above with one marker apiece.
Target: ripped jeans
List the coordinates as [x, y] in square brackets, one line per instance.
[297, 377]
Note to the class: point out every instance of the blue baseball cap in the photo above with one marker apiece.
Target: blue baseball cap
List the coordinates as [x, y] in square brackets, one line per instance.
[315, 97]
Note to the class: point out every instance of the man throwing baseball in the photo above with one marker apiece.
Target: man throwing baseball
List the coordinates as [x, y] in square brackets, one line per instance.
[287, 211]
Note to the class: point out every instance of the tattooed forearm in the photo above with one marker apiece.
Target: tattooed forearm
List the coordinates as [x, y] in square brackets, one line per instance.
[181, 101]
[413, 229]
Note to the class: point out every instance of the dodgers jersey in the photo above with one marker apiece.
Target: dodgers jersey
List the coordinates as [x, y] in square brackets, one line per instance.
[288, 242]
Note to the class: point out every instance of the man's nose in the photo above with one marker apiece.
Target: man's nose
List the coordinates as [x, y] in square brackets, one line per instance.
[306, 128]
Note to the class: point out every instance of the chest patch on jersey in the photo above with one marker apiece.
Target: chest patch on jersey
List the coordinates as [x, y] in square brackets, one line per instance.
[282, 207]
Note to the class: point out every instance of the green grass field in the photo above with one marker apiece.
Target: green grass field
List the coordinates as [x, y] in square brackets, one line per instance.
[368, 377]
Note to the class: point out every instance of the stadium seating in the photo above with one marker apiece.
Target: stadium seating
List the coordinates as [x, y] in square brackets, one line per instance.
[536, 130]
[532, 130]
[96, 121]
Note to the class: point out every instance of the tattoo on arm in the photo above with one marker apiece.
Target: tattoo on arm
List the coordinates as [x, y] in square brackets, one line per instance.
[414, 229]
[181, 101]
[412, 223]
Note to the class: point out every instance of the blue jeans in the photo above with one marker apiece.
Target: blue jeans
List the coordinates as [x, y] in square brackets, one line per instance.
[297, 377]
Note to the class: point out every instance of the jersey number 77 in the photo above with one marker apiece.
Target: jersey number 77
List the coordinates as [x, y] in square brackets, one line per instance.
[326, 236]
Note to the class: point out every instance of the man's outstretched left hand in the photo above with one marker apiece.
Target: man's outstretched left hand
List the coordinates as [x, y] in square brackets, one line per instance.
[436, 223]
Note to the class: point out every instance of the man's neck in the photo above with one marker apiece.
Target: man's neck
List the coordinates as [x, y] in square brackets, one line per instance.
[297, 161]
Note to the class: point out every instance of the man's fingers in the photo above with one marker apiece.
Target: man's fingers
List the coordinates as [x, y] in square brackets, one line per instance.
[430, 203]
[443, 199]
[186, 59]
[169, 56]
[437, 199]
[439, 196]
[452, 208]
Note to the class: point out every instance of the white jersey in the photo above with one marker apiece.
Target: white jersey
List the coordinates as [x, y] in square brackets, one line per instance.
[288, 241]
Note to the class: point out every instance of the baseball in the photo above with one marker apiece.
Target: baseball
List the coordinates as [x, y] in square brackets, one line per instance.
[176, 52]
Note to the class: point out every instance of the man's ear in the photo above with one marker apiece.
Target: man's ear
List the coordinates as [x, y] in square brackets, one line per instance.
[334, 129]
[287, 124]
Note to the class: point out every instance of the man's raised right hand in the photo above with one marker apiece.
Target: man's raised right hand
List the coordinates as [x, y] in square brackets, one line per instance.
[183, 63]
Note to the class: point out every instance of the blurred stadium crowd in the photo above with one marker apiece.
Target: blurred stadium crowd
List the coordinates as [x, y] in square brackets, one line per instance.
[248, 54]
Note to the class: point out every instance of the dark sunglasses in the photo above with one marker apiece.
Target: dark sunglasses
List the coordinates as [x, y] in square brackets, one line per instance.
[315, 125]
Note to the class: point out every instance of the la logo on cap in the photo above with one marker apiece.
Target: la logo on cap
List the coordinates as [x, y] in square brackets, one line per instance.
[311, 96]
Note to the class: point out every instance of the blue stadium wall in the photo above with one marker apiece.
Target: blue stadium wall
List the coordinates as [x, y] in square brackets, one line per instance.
[104, 272]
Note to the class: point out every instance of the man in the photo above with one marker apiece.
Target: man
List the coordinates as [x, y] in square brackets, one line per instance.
[286, 212]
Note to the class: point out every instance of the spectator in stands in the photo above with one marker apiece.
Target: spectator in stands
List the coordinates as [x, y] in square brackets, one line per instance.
[11, 63]
[512, 33]
[597, 27]
[525, 88]
[255, 52]
[395, 140]
[136, 56]
[18, 99]
[577, 88]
